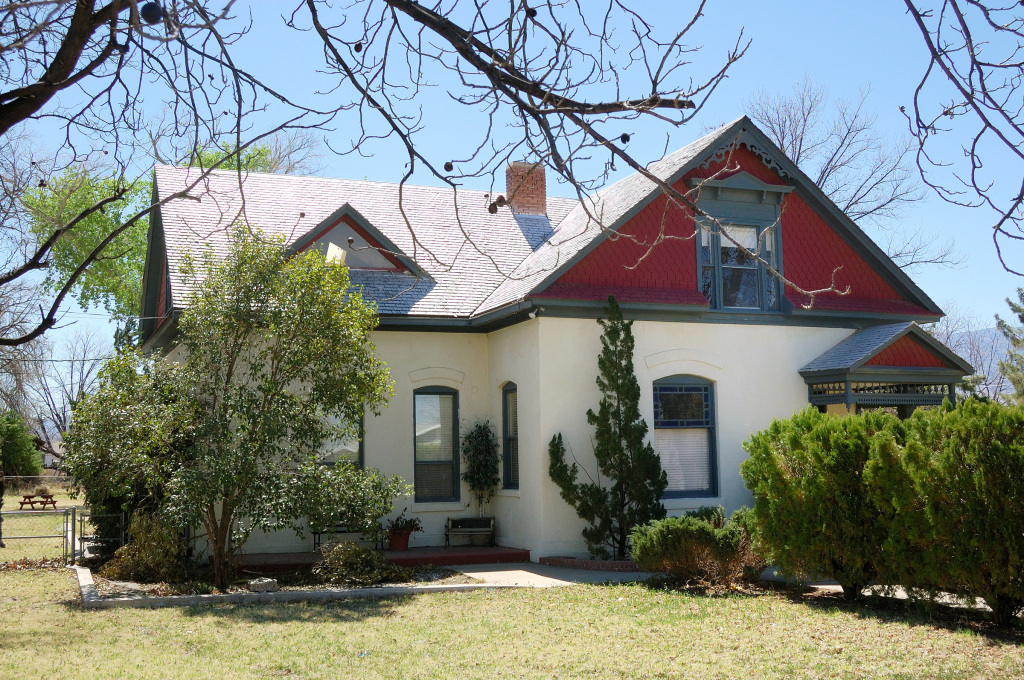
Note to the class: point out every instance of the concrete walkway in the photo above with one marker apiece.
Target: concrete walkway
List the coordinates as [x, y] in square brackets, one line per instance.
[530, 575]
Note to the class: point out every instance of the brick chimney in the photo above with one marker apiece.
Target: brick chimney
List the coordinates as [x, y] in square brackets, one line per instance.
[525, 188]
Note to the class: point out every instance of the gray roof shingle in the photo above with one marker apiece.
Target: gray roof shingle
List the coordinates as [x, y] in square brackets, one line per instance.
[856, 348]
[465, 251]
[580, 228]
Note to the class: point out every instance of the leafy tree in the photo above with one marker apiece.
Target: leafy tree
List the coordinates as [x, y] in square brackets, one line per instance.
[230, 440]
[18, 452]
[623, 456]
[114, 281]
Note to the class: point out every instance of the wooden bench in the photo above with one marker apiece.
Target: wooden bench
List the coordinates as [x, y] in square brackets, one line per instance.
[469, 526]
[47, 500]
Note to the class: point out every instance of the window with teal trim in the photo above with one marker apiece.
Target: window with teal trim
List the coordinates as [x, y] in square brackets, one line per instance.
[684, 435]
[732, 279]
[510, 436]
[436, 441]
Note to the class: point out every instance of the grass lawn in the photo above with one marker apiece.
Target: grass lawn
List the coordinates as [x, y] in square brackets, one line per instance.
[588, 632]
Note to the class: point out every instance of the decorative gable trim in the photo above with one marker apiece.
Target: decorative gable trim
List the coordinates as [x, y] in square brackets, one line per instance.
[349, 216]
[757, 147]
[744, 132]
[851, 373]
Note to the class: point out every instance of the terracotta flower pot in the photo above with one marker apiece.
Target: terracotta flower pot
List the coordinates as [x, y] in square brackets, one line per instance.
[398, 541]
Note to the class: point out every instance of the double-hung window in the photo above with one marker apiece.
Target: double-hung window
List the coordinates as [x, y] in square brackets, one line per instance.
[684, 435]
[510, 436]
[735, 277]
[739, 241]
[436, 439]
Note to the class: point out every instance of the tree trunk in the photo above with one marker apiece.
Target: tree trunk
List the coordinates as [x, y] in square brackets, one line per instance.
[1004, 608]
[220, 538]
[852, 591]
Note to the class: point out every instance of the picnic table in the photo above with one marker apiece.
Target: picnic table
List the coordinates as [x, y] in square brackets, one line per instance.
[42, 501]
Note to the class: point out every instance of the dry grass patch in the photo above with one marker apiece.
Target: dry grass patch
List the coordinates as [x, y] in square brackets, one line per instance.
[580, 632]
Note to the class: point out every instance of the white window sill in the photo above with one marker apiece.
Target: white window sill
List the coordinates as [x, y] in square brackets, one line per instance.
[443, 506]
[691, 503]
[508, 493]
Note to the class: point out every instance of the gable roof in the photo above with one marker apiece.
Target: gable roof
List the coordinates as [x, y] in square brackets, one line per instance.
[460, 261]
[858, 350]
[579, 232]
[614, 205]
[457, 251]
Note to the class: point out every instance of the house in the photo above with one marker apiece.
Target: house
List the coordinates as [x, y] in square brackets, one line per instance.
[491, 315]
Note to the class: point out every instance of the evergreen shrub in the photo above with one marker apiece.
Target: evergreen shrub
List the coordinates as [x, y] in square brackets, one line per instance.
[812, 514]
[155, 554]
[700, 547]
[955, 492]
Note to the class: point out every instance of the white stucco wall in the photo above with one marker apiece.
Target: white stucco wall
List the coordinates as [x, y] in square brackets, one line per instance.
[553, 361]
[754, 369]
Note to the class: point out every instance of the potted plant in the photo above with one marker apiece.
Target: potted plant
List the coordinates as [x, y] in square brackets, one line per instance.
[482, 460]
[399, 529]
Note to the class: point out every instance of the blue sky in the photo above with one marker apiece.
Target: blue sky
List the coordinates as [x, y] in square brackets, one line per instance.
[845, 47]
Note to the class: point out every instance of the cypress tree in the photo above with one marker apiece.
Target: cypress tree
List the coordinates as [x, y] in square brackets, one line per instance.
[1012, 367]
[635, 480]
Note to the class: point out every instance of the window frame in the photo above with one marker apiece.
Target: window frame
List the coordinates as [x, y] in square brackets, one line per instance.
[456, 479]
[715, 248]
[711, 423]
[506, 448]
[361, 462]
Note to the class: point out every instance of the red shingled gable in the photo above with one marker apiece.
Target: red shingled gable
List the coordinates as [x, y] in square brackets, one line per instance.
[905, 352]
[636, 259]
[811, 250]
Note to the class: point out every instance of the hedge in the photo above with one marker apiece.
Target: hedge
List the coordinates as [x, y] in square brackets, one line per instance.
[934, 503]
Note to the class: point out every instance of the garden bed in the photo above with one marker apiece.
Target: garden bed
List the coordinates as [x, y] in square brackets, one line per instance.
[101, 593]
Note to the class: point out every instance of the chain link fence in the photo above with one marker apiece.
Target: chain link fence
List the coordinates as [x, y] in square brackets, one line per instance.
[37, 535]
[67, 535]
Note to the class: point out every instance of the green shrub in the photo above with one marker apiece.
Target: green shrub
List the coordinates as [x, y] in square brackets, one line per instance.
[350, 564]
[812, 515]
[19, 456]
[155, 553]
[699, 547]
[956, 491]
[482, 458]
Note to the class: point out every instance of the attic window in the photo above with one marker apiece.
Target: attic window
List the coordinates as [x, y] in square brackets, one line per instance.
[739, 241]
[731, 278]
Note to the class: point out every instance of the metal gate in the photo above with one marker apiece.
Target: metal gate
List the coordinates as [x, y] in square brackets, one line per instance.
[67, 535]
[38, 535]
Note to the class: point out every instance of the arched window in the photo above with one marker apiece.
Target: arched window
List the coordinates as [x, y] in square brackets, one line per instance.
[510, 436]
[436, 440]
[684, 435]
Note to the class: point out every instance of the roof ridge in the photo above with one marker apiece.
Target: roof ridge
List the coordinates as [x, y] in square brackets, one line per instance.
[282, 176]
